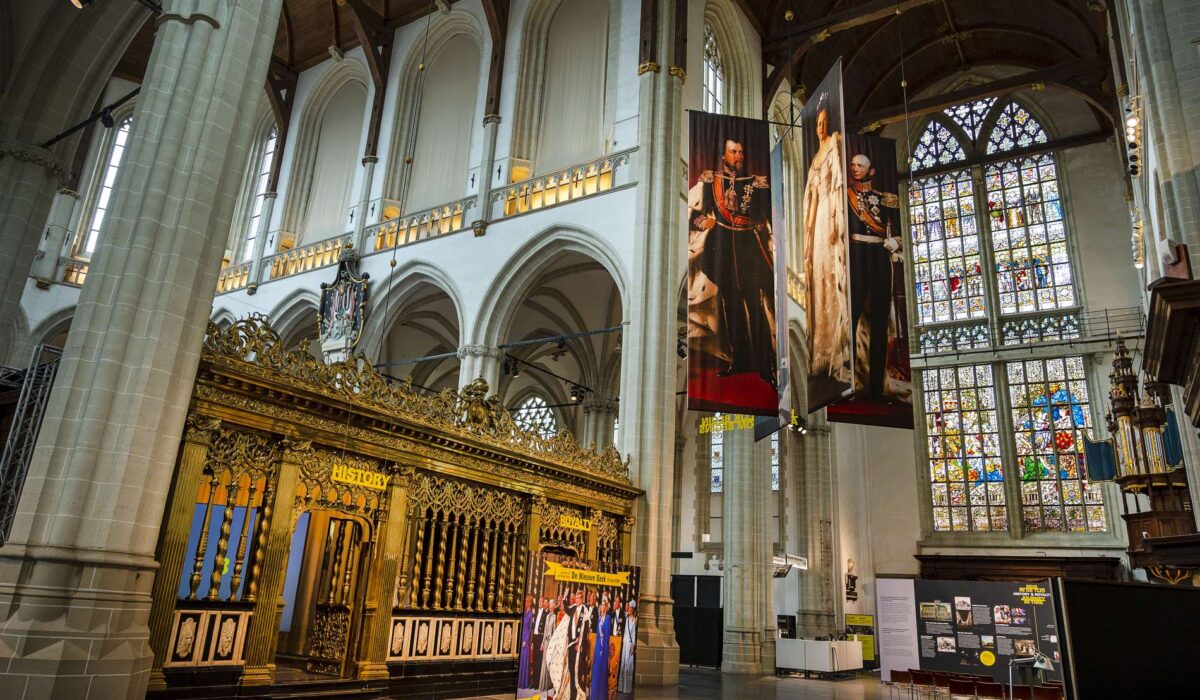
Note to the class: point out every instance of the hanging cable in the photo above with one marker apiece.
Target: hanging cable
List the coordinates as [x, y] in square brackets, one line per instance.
[904, 86]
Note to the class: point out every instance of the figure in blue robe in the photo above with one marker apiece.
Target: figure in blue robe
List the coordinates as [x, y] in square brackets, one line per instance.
[599, 689]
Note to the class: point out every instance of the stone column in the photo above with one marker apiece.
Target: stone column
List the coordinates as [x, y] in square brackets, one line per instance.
[817, 587]
[260, 241]
[82, 548]
[747, 542]
[479, 361]
[491, 124]
[364, 205]
[45, 265]
[598, 417]
[384, 575]
[648, 355]
[31, 175]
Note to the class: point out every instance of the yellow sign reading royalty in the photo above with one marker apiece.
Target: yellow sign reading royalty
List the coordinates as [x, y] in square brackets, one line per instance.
[359, 477]
[572, 522]
[595, 578]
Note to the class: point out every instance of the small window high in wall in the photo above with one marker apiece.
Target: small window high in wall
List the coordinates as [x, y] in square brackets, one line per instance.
[260, 191]
[535, 415]
[104, 193]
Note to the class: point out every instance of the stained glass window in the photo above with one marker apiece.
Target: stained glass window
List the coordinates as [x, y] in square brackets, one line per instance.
[1015, 128]
[713, 79]
[947, 267]
[937, 146]
[970, 115]
[717, 456]
[775, 462]
[260, 190]
[1029, 237]
[1050, 410]
[104, 194]
[966, 476]
[534, 415]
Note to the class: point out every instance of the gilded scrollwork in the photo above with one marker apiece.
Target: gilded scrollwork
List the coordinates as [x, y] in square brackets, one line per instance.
[457, 497]
[240, 452]
[317, 475]
[200, 428]
[252, 346]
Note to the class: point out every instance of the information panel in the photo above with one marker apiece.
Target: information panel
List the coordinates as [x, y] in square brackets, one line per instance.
[966, 626]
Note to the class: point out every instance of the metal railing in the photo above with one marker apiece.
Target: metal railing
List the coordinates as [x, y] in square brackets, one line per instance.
[234, 277]
[73, 271]
[306, 257]
[1060, 327]
[561, 186]
[410, 228]
[36, 383]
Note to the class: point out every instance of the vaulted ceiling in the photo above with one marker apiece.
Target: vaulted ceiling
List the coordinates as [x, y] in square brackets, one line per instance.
[883, 43]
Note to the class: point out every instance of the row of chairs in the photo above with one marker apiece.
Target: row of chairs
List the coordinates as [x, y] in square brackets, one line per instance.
[964, 686]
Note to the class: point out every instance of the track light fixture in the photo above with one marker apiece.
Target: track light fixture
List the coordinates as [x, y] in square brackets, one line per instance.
[510, 367]
[106, 118]
[578, 393]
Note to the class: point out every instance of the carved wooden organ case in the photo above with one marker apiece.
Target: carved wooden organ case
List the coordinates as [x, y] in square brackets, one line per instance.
[396, 525]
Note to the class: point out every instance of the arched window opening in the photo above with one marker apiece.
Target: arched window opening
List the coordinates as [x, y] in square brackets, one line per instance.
[444, 125]
[260, 191]
[993, 282]
[536, 416]
[104, 194]
[713, 77]
[576, 63]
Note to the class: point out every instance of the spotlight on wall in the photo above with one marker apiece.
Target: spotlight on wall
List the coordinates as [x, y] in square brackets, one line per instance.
[106, 119]
[80, 4]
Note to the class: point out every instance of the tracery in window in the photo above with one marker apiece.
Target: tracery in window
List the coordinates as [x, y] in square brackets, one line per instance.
[536, 416]
[1029, 237]
[965, 471]
[1015, 128]
[105, 192]
[260, 191]
[713, 79]
[1050, 410]
[947, 268]
[775, 462]
[937, 146]
[716, 443]
[970, 115]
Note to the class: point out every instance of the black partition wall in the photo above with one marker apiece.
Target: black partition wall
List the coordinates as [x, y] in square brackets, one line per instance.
[1130, 640]
[699, 621]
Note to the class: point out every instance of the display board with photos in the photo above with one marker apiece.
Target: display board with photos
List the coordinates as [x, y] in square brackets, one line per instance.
[974, 627]
[578, 636]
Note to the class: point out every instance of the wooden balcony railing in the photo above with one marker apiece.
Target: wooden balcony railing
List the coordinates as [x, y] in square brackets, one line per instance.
[306, 257]
[73, 271]
[234, 277]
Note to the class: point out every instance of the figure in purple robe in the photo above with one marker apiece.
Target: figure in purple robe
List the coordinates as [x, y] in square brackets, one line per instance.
[523, 679]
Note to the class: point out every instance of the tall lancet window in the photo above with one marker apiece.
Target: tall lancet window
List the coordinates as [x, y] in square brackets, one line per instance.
[335, 166]
[536, 416]
[573, 88]
[105, 192]
[260, 191]
[992, 273]
[713, 78]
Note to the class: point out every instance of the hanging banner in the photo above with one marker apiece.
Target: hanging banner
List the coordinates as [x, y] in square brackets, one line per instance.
[765, 427]
[826, 245]
[882, 378]
[732, 354]
[578, 630]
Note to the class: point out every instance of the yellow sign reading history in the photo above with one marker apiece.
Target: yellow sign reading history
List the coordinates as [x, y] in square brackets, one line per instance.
[359, 477]
[595, 578]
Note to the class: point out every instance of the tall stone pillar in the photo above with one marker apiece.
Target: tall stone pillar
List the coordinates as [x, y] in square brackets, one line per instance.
[260, 241]
[747, 541]
[45, 265]
[648, 355]
[30, 176]
[598, 417]
[81, 551]
[816, 616]
[479, 361]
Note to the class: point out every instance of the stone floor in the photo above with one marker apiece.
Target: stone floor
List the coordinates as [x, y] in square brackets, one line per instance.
[705, 684]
